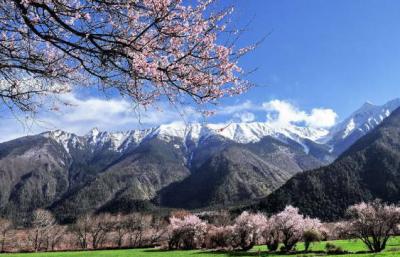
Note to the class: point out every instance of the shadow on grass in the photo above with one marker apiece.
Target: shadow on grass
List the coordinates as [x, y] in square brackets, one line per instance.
[263, 253]
[155, 250]
[234, 253]
[216, 252]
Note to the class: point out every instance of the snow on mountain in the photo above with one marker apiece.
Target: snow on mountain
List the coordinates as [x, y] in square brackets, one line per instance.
[365, 118]
[65, 139]
[340, 136]
[115, 140]
[255, 131]
[358, 124]
[238, 132]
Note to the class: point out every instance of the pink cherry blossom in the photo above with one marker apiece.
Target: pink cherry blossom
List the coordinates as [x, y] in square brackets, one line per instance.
[291, 226]
[148, 50]
[247, 229]
[373, 223]
[187, 232]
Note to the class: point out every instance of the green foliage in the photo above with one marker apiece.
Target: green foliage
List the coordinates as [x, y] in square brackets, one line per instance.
[309, 237]
[333, 249]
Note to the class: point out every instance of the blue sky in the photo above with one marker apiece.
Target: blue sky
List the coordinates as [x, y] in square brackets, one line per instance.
[336, 54]
[320, 58]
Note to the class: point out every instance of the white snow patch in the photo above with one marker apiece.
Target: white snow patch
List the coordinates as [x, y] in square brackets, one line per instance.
[349, 128]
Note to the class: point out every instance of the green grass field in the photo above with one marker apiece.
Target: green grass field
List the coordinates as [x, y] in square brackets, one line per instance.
[393, 249]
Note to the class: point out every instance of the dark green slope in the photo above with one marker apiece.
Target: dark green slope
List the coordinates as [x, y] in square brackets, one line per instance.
[237, 173]
[367, 170]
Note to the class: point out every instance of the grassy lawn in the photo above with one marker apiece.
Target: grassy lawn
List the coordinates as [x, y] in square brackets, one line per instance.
[393, 249]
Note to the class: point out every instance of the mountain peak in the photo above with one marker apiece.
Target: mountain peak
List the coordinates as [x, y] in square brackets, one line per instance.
[367, 104]
[57, 134]
[365, 108]
[359, 123]
[94, 132]
[62, 137]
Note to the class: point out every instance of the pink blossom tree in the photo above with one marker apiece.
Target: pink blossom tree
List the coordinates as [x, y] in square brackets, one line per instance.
[247, 229]
[148, 50]
[186, 232]
[373, 223]
[292, 225]
[271, 234]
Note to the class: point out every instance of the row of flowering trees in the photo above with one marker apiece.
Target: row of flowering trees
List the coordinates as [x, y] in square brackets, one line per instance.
[287, 227]
[373, 223]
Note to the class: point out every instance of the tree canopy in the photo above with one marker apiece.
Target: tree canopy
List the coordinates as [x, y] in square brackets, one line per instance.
[146, 49]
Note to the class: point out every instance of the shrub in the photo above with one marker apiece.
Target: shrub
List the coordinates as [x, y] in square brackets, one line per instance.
[220, 237]
[310, 236]
[333, 249]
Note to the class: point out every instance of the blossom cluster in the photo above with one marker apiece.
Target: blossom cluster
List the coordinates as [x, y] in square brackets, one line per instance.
[147, 50]
[247, 230]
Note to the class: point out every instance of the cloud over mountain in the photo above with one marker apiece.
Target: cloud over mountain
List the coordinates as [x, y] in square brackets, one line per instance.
[284, 113]
[80, 114]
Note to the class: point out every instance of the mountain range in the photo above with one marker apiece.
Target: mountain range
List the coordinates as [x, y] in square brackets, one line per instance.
[175, 165]
[368, 170]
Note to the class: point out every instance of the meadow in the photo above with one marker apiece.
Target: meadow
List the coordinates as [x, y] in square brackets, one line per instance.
[355, 248]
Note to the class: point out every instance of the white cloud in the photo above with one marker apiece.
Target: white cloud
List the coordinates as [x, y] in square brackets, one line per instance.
[81, 115]
[284, 113]
[280, 113]
[324, 118]
[116, 114]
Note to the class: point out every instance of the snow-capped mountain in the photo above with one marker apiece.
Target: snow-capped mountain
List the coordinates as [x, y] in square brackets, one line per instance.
[335, 140]
[358, 124]
[368, 170]
[242, 133]
[127, 171]
[338, 138]
[174, 165]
